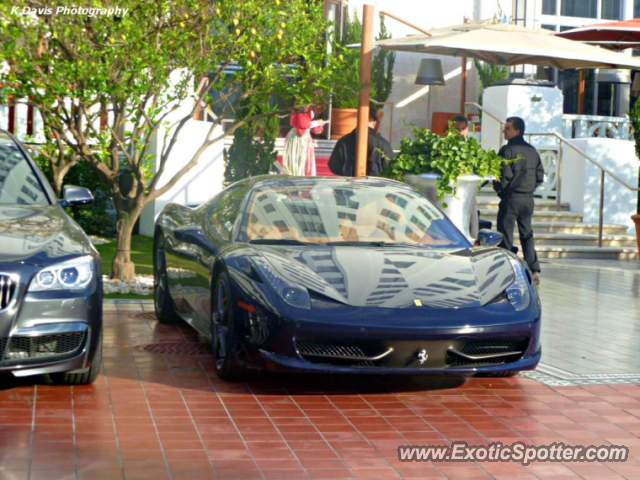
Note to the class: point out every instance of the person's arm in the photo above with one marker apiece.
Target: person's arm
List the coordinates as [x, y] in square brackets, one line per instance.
[506, 173]
[539, 172]
[336, 161]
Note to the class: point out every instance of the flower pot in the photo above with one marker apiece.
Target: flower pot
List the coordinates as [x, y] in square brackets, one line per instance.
[459, 207]
[343, 121]
[636, 220]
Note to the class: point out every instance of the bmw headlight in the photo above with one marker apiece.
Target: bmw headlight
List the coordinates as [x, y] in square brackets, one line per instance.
[291, 294]
[518, 292]
[74, 275]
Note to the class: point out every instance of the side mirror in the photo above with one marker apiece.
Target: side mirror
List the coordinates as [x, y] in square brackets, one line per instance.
[76, 196]
[489, 238]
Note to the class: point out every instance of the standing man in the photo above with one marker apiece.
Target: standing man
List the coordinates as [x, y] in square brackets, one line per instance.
[515, 188]
[343, 157]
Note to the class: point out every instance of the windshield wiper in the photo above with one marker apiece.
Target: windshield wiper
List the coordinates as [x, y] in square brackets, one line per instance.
[356, 243]
[280, 241]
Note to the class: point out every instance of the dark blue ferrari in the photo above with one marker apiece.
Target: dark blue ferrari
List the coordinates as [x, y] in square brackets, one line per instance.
[353, 275]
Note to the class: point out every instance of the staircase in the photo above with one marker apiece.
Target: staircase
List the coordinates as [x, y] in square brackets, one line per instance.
[560, 233]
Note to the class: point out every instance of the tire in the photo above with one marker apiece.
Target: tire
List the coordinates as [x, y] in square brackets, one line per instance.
[81, 378]
[162, 302]
[223, 335]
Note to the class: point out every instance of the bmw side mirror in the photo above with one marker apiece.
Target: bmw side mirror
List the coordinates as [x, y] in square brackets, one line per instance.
[489, 238]
[76, 196]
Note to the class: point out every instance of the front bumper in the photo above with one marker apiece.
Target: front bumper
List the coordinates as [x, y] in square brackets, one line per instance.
[50, 332]
[466, 341]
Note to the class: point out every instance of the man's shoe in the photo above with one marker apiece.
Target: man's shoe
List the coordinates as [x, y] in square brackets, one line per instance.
[536, 278]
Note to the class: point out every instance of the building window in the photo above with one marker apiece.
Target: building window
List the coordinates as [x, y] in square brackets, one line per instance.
[636, 8]
[549, 7]
[579, 8]
[610, 10]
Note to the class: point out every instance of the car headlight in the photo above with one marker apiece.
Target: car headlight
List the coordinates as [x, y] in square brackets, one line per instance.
[518, 292]
[291, 294]
[75, 274]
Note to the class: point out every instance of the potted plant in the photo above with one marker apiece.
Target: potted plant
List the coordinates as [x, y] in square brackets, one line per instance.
[448, 170]
[344, 111]
[634, 118]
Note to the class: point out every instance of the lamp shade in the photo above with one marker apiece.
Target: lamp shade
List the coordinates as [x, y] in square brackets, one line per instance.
[430, 72]
[610, 75]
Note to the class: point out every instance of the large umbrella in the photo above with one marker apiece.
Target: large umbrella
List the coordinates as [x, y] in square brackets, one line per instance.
[505, 44]
[612, 35]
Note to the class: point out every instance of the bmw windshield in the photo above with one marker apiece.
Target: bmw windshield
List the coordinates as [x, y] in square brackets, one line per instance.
[339, 213]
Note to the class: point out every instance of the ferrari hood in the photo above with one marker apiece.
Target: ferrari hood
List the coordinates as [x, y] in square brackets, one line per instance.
[39, 235]
[395, 277]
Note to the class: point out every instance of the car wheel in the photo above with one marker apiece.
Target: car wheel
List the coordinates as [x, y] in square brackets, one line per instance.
[223, 336]
[84, 377]
[508, 373]
[165, 310]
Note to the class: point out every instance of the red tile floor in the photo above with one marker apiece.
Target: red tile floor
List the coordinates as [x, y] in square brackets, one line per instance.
[153, 416]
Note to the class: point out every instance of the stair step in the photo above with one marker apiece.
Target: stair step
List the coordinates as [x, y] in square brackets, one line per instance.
[576, 228]
[540, 204]
[574, 251]
[538, 215]
[583, 239]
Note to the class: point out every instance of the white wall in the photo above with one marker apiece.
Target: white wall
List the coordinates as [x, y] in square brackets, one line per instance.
[539, 107]
[200, 184]
[581, 180]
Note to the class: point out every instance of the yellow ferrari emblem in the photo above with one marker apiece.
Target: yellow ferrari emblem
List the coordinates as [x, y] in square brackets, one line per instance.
[417, 303]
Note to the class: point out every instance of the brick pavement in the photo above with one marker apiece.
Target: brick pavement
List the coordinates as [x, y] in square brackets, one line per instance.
[153, 416]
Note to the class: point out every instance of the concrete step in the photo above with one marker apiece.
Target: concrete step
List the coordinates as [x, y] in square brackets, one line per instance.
[575, 228]
[584, 240]
[538, 215]
[492, 202]
[593, 253]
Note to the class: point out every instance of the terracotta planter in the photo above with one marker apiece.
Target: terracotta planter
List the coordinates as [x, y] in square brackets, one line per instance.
[636, 220]
[343, 121]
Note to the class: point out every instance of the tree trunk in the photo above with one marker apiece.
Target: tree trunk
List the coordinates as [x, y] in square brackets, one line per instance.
[122, 267]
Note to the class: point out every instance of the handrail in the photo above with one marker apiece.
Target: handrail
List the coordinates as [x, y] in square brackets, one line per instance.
[587, 156]
[561, 139]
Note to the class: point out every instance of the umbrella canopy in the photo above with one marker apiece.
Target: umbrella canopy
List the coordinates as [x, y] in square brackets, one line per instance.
[504, 44]
[612, 35]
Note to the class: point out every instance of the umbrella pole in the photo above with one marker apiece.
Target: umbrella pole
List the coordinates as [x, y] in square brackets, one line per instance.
[362, 136]
[463, 87]
[581, 83]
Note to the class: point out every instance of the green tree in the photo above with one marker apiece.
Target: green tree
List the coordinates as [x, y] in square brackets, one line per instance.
[488, 74]
[79, 68]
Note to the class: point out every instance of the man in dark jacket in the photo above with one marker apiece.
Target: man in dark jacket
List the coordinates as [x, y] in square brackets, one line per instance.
[343, 157]
[515, 188]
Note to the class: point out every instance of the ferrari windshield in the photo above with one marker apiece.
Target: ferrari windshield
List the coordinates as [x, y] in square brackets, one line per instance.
[343, 213]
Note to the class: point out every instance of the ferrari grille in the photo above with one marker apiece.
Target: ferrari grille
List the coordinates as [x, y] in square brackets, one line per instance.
[321, 349]
[7, 290]
[21, 349]
[488, 352]
[353, 355]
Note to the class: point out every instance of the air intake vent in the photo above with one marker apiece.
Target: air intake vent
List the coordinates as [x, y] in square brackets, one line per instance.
[488, 352]
[7, 290]
[26, 349]
[355, 355]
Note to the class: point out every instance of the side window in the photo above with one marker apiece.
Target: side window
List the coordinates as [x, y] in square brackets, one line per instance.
[222, 214]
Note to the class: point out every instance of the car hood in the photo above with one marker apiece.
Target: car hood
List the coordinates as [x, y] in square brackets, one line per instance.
[396, 277]
[39, 235]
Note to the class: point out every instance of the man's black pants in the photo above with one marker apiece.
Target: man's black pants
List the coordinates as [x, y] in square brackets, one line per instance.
[518, 208]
